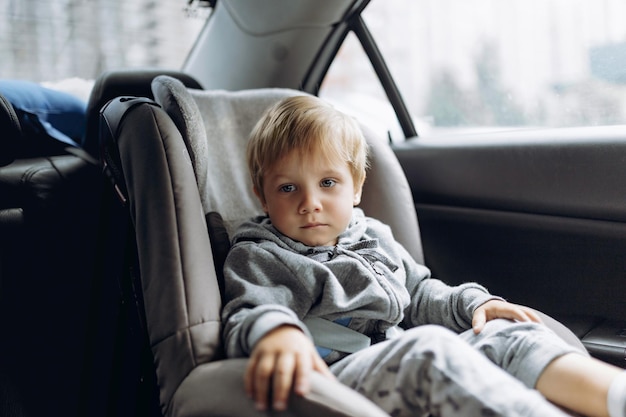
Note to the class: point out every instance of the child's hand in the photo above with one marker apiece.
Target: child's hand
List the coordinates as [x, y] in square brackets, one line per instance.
[495, 309]
[282, 359]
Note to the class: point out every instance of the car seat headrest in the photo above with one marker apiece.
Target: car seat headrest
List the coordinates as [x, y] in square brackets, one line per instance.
[227, 118]
[122, 82]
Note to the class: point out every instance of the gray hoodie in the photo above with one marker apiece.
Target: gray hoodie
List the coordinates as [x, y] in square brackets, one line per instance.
[272, 280]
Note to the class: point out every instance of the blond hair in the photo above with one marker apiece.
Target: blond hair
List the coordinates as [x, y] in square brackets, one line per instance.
[306, 124]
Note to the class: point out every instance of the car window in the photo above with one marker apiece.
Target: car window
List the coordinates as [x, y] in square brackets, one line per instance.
[353, 87]
[55, 40]
[490, 64]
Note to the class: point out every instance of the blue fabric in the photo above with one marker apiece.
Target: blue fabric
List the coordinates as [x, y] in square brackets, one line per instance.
[323, 352]
[46, 114]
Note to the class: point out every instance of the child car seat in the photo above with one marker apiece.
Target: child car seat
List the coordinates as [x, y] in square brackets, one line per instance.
[175, 176]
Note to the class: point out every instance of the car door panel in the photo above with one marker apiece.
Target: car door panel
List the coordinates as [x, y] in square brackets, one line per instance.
[538, 216]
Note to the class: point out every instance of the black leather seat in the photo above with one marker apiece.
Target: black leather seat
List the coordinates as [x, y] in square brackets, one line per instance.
[48, 212]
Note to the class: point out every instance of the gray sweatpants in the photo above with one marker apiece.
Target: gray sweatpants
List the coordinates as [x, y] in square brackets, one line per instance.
[431, 371]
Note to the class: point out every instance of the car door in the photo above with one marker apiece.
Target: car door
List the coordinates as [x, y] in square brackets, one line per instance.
[535, 215]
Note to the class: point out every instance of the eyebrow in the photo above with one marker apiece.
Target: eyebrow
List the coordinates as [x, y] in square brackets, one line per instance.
[324, 174]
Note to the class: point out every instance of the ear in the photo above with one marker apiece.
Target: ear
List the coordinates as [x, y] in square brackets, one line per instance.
[358, 190]
[261, 199]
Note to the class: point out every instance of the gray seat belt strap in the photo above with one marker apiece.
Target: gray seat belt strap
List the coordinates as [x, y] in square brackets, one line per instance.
[334, 336]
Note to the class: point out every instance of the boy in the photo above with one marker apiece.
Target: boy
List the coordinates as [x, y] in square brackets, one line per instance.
[314, 255]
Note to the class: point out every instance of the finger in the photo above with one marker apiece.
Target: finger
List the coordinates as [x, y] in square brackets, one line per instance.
[524, 314]
[248, 377]
[515, 313]
[282, 381]
[479, 320]
[262, 380]
[533, 315]
[303, 374]
[321, 366]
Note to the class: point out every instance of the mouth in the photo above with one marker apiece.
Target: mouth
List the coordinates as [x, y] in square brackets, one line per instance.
[313, 225]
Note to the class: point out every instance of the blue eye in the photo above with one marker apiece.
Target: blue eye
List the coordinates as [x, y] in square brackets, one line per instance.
[288, 188]
[328, 183]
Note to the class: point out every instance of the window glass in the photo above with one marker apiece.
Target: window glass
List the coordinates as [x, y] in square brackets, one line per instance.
[53, 40]
[484, 64]
[353, 87]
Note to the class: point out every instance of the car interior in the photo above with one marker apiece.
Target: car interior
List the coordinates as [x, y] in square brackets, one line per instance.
[111, 251]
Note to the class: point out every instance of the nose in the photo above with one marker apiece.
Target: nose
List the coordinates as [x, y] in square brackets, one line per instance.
[310, 203]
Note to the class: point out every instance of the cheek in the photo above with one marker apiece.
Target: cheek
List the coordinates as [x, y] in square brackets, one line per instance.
[276, 207]
[346, 206]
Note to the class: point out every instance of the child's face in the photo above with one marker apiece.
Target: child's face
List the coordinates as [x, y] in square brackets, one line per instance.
[310, 199]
